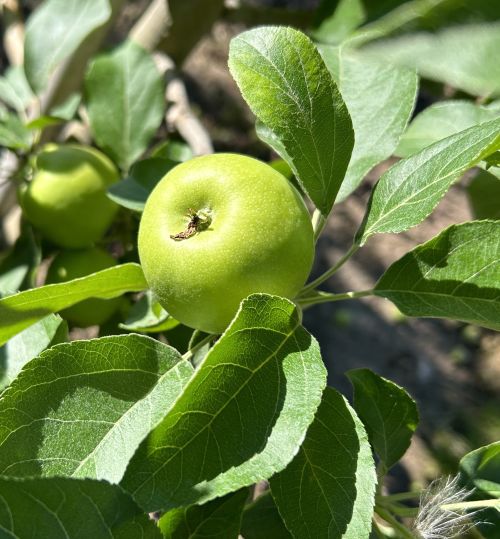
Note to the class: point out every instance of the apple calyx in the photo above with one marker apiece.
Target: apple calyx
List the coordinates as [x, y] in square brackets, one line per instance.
[198, 221]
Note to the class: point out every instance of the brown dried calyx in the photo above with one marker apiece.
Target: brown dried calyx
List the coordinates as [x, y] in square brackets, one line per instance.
[198, 221]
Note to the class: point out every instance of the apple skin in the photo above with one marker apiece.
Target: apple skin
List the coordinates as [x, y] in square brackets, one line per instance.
[68, 265]
[66, 199]
[260, 238]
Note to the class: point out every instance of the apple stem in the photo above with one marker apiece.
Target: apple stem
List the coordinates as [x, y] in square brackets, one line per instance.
[198, 221]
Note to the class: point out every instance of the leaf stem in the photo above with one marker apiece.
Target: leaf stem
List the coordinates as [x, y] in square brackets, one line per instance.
[326, 297]
[470, 505]
[192, 351]
[322, 278]
[403, 530]
[318, 223]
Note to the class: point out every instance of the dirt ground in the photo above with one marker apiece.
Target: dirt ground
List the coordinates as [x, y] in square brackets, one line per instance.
[451, 369]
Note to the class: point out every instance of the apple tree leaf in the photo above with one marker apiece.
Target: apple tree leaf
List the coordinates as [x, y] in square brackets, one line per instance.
[262, 520]
[242, 416]
[13, 133]
[335, 468]
[380, 98]
[442, 120]
[14, 89]
[28, 344]
[64, 508]
[125, 100]
[410, 190]
[389, 414]
[454, 275]
[484, 195]
[133, 191]
[462, 56]
[218, 519]
[148, 316]
[20, 310]
[107, 393]
[481, 469]
[335, 21]
[55, 30]
[285, 82]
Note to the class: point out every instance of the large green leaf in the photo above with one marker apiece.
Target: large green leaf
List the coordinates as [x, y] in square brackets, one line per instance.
[19, 311]
[464, 57]
[410, 190]
[125, 102]
[81, 409]
[218, 519]
[262, 520]
[442, 120]
[241, 418]
[389, 414]
[484, 195]
[481, 468]
[28, 344]
[455, 275]
[55, 30]
[63, 508]
[380, 99]
[287, 85]
[328, 490]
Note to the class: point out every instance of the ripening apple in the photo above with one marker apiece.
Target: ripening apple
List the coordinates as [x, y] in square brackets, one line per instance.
[218, 228]
[72, 264]
[66, 199]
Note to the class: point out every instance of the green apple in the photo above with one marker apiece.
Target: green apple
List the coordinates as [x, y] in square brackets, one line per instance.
[66, 199]
[68, 265]
[218, 228]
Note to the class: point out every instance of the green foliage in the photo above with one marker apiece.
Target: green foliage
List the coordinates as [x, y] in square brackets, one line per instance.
[100, 392]
[248, 405]
[133, 191]
[96, 433]
[474, 70]
[261, 520]
[19, 311]
[287, 85]
[389, 414]
[454, 275]
[62, 508]
[335, 468]
[484, 194]
[442, 120]
[54, 32]
[218, 519]
[28, 344]
[410, 190]
[125, 102]
[380, 99]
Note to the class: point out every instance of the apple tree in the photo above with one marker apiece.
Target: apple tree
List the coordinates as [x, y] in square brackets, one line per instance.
[157, 380]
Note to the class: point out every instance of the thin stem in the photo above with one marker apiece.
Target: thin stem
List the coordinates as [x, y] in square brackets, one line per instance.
[326, 297]
[463, 506]
[198, 346]
[322, 278]
[403, 530]
[318, 223]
